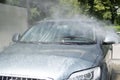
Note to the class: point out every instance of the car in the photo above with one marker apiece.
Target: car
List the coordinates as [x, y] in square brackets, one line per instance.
[56, 50]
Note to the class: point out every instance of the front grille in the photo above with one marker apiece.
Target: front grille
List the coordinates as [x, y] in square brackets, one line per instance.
[17, 78]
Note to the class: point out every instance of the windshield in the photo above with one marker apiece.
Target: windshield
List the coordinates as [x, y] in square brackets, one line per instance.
[63, 32]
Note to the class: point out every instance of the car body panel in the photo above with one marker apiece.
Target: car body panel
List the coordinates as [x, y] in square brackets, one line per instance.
[48, 60]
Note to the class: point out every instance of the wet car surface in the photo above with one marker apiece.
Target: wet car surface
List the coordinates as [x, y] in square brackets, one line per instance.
[50, 50]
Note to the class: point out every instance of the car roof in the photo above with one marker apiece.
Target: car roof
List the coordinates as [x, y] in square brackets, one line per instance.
[67, 20]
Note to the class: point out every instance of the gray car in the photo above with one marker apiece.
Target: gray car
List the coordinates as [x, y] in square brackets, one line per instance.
[56, 50]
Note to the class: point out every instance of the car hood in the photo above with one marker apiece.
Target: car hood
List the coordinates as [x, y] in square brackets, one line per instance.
[47, 61]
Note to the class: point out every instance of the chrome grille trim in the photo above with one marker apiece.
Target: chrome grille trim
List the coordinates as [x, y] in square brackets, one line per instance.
[17, 78]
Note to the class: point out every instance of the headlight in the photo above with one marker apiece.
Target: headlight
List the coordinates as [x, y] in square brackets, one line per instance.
[91, 74]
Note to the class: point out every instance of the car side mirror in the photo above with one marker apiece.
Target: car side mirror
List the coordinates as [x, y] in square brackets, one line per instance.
[110, 40]
[16, 37]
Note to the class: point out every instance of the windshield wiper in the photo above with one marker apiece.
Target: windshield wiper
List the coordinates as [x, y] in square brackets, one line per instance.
[77, 43]
[77, 38]
[65, 43]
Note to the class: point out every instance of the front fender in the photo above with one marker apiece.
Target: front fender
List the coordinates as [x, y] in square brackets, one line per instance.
[105, 75]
